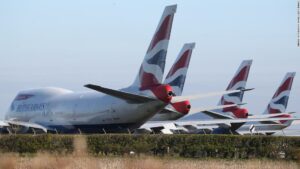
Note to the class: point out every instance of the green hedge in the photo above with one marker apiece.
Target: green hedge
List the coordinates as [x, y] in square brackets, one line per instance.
[220, 146]
[36, 143]
[192, 146]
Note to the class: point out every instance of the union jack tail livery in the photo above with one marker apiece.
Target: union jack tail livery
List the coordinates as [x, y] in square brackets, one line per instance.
[152, 69]
[177, 74]
[280, 99]
[238, 82]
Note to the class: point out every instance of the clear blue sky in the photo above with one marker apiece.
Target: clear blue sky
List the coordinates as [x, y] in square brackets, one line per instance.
[70, 43]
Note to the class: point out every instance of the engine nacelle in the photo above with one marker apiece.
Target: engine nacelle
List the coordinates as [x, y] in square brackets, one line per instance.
[240, 112]
[183, 107]
[163, 92]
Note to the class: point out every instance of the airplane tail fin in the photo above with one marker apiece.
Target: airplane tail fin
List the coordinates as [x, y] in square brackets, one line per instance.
[280, 99]
[238, 81]
[177, 74]
[152, 68]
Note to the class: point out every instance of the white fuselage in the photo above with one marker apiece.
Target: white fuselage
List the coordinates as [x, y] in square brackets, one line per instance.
[65, 111]
[166, 115]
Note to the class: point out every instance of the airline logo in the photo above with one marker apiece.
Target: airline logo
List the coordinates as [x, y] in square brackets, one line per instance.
[280, 99]
[238, 82]
[177, 74]
[152, 68]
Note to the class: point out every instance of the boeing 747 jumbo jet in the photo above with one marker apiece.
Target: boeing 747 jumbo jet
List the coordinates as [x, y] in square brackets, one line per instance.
[65, 111]
[276, 108]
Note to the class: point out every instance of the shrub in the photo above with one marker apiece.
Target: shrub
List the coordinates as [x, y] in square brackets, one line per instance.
[216, 146]
[33, 144]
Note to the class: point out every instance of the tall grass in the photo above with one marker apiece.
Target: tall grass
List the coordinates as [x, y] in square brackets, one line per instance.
[46, 161]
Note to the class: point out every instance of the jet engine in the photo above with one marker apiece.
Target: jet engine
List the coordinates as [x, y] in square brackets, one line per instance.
[182, 107]
[163, 92]
[240, 112]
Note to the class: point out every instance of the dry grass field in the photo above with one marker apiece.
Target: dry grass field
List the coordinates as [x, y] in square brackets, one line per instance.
[46, 161]
[81, 160]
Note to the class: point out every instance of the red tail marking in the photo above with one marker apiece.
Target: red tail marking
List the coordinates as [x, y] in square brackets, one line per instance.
[162, 33]
[182, 62]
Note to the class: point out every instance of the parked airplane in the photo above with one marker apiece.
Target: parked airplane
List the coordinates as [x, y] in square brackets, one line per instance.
[238, 81]
[276, 108]
[61, 110]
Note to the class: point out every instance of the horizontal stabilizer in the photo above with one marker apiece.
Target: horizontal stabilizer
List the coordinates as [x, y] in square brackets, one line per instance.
[121, 94]
[196, 110]
[227, 121]
[217, 115]
[200, 96]
[270, 115]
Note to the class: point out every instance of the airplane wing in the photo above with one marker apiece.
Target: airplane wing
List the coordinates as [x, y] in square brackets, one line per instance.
[121, 94]
[196, 110]
[156, 126]
[270, 115]
[3, 124]
[229, 121]
[264, 132]
[200, 96]
[262, 125]
[296, 122]
[204, 123]
[216, 115]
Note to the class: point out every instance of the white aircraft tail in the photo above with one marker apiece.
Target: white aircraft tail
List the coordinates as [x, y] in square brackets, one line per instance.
[152, 69]
[280, 99]
[177, 74]
[238, 82]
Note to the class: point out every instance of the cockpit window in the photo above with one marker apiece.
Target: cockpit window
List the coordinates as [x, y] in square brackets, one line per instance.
[23, 96]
